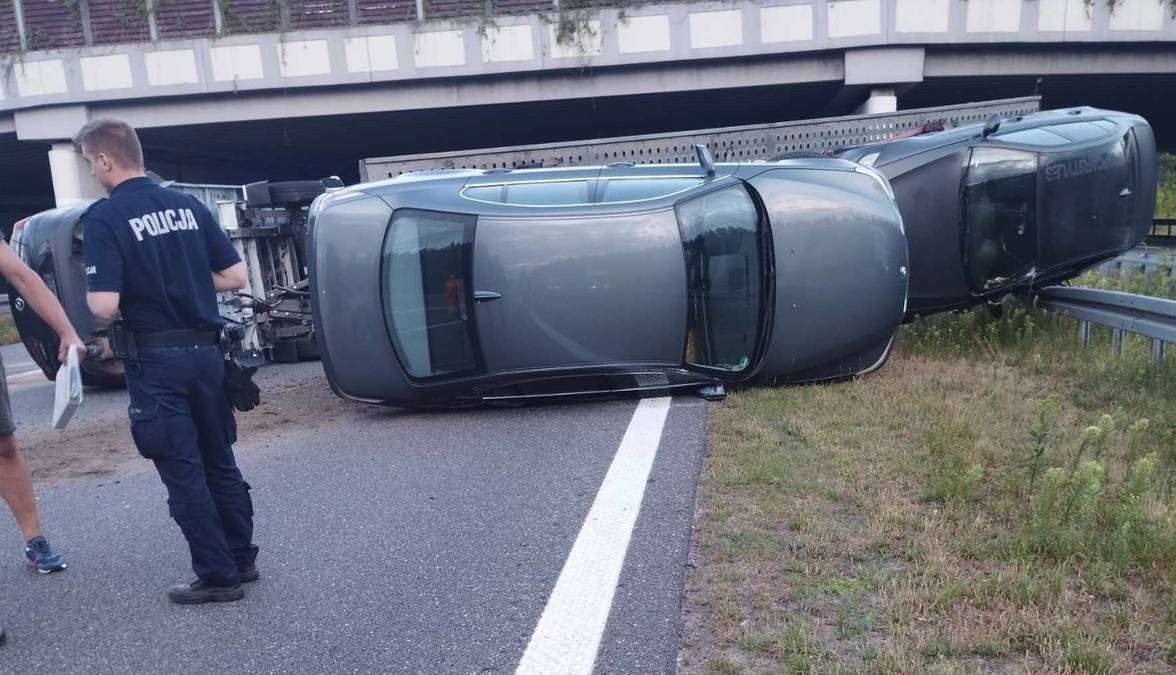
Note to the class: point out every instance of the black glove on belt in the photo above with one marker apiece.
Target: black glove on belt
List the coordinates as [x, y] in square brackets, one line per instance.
[243, 394]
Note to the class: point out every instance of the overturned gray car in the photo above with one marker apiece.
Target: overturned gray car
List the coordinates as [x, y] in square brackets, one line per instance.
[445, 288]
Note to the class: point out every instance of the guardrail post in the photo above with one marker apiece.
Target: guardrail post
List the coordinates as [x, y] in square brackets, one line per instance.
[1157, 349]
[1084, 332]
[1116, 341]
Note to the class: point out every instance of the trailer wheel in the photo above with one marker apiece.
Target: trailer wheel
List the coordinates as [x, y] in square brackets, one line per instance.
[308, 349]
[295, 192]
[285, 351]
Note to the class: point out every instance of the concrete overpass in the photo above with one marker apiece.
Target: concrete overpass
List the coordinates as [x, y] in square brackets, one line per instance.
[228, 90]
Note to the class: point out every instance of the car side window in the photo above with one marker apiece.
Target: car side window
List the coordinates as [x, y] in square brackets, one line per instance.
[485, 193]
[553, 193]
[617, 190]
[538, 193]
[1080, 131]
[721, 235]
[1039, 136]
[1000, 208]
[426, 292]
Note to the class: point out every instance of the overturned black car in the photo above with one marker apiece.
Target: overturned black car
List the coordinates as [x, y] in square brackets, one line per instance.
[1018, 203]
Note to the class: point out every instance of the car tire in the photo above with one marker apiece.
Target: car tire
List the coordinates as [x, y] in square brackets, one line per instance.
[295, 192]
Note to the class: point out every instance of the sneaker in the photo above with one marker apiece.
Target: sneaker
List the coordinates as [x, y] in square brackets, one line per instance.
[199, 592]
[248, 574]
[40, 554]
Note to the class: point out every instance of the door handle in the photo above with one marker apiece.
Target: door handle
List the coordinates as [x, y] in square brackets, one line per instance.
[1125, 193]
[486, 296]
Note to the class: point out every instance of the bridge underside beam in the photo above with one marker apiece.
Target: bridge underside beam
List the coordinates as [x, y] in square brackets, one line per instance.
[866, 68]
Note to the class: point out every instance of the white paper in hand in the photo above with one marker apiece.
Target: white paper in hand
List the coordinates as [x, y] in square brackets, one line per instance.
[69, 391]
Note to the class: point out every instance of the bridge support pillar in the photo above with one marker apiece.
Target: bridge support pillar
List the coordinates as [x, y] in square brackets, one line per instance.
[72, 180]
[882, 100]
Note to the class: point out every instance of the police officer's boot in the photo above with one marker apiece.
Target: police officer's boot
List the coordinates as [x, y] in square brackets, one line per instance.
[199, 592]
[248, 574]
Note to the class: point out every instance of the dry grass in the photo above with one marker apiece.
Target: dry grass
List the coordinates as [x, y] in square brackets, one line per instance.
[844, 528]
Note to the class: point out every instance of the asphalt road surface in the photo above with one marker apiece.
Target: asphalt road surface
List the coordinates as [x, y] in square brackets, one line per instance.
[391, 541]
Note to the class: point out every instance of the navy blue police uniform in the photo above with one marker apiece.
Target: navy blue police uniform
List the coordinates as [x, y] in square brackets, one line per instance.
[158, 248]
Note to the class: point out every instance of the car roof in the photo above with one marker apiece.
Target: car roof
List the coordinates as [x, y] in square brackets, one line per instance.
[445, 189]
[895, 150]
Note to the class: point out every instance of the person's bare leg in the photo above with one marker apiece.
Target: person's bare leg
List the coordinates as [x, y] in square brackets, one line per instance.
[16, 487]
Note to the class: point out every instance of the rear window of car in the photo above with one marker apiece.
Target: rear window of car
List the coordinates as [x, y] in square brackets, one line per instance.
[426, 292]
[721, 234]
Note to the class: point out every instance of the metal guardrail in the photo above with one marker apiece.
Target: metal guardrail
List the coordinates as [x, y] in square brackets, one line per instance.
[1163, 231]
[1153, 318]
[1144, 259]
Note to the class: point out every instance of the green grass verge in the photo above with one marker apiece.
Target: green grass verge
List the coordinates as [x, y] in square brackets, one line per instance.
[1166, 192]
[997, 498]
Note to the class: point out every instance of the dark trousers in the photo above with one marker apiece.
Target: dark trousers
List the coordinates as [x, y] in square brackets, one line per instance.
[182, 421]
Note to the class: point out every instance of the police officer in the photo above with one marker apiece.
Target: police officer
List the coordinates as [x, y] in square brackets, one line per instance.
[157, 256]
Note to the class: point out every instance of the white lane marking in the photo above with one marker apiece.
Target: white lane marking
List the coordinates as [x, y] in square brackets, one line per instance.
[25, 375]
[568, 634]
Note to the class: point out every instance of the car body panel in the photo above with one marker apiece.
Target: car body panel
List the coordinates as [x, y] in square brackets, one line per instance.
[583, 299]
[1095, 195]
[345, 320]
[572, 287]
[840, 278]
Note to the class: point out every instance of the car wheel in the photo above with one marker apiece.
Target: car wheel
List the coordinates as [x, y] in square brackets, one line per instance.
[995, 308]
[308, 349]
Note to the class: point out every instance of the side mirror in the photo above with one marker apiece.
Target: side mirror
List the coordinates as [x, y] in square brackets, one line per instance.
[704, 159]
[991, 126]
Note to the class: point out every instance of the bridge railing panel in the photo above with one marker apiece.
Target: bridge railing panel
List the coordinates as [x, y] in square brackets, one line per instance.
[250, 16]
[118, 21]
[184, 18]
[9, 35]
[522, 6]
[444, 9]
[384, 11]
[317, 13]
[51, 24]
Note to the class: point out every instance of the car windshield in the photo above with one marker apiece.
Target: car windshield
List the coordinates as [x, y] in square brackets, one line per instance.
[426, 262]
[721, 236]
[1000, 207]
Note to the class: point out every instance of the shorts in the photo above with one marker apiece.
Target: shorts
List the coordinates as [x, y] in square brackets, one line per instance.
[7, 426]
